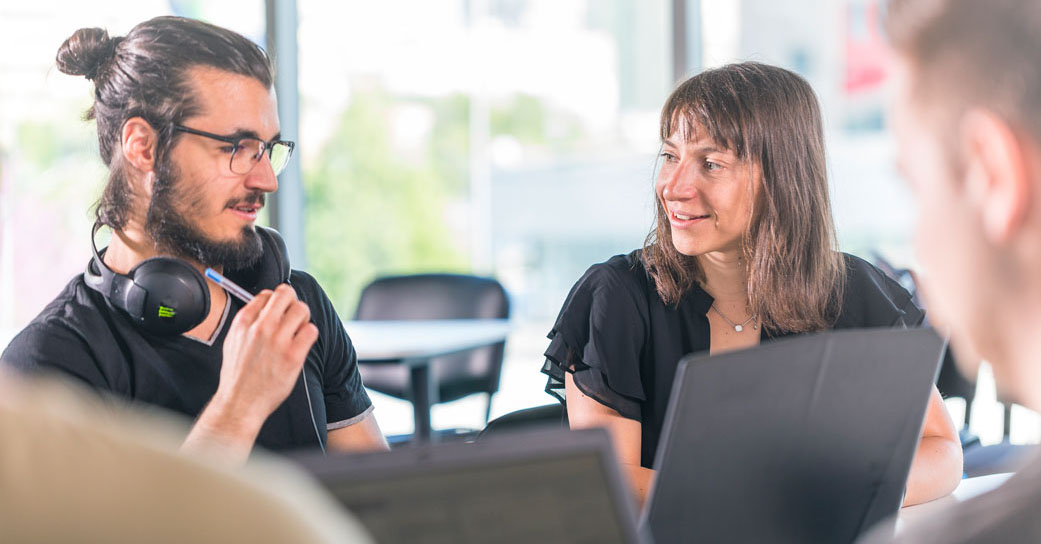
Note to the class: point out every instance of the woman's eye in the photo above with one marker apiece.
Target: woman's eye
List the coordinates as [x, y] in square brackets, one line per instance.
[228, 148]
[668, 156]
[712, 166]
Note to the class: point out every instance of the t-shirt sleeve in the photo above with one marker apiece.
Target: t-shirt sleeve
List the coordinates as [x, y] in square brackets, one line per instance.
[599, 337]
[345, 397]
[48, 347]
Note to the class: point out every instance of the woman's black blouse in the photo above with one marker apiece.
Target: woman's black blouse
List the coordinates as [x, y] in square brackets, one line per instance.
[626, 342]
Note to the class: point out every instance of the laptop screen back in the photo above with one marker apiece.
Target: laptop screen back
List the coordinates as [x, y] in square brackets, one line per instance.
[808, 439]
[535, 487]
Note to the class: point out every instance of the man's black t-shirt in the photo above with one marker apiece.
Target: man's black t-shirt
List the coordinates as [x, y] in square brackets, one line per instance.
[80, 334]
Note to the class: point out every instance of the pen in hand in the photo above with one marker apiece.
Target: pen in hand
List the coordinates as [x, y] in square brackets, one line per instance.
[245, 296]
[229, 286]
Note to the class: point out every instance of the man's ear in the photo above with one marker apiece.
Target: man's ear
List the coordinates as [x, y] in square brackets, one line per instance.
[997, 176]
[139, 141]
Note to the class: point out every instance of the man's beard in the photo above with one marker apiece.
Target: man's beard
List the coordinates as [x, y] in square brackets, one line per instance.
[173, 232]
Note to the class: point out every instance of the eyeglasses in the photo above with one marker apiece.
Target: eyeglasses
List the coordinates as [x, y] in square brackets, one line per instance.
[246, 152]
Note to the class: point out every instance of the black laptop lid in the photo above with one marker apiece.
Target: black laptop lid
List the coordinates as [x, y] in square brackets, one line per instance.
[542, 486]
[808, 439]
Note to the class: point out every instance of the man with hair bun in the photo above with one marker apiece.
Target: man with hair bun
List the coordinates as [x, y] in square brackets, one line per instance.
[188, 126]
[967, 117]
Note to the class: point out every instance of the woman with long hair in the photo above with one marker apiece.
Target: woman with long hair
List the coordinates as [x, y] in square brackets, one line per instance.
[743, 251]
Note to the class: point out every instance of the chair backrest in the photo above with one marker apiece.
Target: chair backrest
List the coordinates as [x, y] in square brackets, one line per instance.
[550, 415]
[440, 296]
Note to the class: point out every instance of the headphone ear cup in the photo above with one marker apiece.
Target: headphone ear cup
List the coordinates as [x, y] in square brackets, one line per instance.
[118, 289]
[95, 275]
[168, 297]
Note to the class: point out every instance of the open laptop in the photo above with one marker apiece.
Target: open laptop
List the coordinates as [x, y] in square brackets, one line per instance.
[553, 486]
[808, 439]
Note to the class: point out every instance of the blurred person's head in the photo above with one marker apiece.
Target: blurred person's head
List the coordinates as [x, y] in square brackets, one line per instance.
[967, 117]
[117, 474]
[174, 187]
[743, 175]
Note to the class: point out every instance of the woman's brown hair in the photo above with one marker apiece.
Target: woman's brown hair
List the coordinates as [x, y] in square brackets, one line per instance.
[769, 117]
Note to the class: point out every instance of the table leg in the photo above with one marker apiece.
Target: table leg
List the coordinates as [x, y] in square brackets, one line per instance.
[424, 395]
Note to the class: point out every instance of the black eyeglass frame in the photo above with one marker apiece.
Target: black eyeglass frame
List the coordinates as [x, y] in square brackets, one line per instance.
[269, 147]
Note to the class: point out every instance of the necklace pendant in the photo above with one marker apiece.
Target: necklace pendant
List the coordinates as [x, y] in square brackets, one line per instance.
[738, 328]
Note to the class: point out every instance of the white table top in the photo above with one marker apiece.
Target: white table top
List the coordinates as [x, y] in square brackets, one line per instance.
[416, 340]
[967, 489]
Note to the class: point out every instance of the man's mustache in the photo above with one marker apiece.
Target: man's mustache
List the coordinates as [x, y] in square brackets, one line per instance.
[254, 198]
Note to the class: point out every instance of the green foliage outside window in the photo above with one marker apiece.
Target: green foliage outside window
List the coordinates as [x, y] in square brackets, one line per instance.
[371, 211]
[374, 210]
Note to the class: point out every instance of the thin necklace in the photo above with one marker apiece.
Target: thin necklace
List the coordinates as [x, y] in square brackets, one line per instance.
[737, 327]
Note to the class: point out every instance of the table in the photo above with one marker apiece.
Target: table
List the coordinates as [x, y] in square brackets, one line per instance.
[967, 489]
[414, 343]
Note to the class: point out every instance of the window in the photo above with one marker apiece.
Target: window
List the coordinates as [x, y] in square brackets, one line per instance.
[514, 138]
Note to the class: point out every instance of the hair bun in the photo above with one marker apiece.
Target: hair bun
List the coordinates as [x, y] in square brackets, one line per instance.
[85, 52]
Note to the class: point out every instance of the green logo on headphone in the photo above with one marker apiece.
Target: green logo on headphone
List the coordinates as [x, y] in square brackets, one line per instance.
[166, 312]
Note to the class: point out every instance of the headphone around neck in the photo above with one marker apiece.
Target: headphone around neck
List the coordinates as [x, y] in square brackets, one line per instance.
[167, 296]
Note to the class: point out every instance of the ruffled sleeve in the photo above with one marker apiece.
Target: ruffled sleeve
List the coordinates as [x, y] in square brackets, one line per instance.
[873, 299]
[600, 337]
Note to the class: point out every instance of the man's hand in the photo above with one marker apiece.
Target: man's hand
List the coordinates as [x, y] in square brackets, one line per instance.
[263, 353]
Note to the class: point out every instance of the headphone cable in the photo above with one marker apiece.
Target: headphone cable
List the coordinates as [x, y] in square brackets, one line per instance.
[310, 409]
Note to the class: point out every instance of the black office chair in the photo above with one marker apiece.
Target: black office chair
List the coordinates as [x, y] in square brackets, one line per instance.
[438, 296]
[549, 415]
[952, 383]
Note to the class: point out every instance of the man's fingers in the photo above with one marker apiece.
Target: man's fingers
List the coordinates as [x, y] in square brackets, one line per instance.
[274, 311]
[305, 337]
[296, 316]
[248, 314]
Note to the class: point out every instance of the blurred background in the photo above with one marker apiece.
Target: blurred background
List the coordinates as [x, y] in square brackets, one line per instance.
[507, 138]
